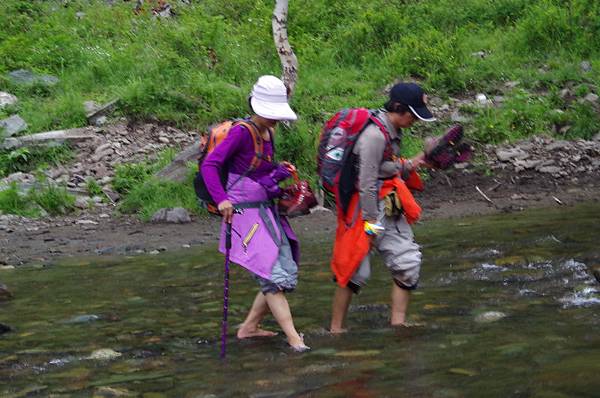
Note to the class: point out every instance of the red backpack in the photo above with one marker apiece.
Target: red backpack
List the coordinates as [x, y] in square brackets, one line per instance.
[335, 163]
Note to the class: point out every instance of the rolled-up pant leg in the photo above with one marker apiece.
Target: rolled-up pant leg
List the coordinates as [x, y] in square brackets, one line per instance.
[401, 254]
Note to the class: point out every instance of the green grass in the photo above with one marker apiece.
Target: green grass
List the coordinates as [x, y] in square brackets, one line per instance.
[13, 202]
[146, 198]
[45, 198]
[198, 67]
[31, 159]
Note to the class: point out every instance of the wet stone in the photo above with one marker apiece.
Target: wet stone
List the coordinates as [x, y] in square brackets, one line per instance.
[5, 294]
[104, 354]
[490, 316]
[83, 319]
[4, 328]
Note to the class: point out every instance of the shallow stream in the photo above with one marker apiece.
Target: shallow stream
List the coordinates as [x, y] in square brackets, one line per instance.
[507, 307]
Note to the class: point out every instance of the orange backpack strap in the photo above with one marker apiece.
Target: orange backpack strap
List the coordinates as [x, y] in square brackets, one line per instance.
[258, 144]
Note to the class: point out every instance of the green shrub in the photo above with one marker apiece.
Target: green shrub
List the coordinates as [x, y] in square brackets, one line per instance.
[145, 199]
[93, 188]
[53, 199]
[129, 175]
[13, 202]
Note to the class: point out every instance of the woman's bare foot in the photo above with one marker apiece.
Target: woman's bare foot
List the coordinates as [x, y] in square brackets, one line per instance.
[245, 332]
[297, 343]
[338, 330]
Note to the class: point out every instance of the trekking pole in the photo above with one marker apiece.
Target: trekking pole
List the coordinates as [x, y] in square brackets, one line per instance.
[225, 290]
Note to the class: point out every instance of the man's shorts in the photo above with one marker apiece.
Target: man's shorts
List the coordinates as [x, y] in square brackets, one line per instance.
[400, 253]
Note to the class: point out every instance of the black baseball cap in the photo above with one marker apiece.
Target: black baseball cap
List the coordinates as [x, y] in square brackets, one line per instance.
[413, 96]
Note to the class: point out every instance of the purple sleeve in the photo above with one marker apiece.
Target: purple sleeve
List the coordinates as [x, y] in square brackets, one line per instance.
[216, 160]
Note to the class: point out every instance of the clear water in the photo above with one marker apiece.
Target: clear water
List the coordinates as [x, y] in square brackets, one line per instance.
[507, 307]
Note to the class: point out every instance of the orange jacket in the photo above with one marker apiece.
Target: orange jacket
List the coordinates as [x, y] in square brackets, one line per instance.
[352, 244]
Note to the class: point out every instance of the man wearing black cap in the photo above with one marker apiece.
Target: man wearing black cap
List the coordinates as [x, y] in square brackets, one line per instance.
[389, 230]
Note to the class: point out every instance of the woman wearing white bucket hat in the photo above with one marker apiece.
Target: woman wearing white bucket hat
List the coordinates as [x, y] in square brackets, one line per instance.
[262, 241]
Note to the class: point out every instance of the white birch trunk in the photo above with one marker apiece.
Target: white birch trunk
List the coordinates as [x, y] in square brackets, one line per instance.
[289, 62]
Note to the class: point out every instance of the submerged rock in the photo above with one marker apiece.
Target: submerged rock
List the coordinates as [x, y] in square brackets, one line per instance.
[112, 392]
[5, 328]
[5, 294]
[489, 316]
[83, 319]
[104, 354]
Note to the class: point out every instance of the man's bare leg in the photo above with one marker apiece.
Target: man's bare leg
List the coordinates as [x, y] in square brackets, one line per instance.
[280, 309]
[400, 299]
[250, 326]
[339, 308]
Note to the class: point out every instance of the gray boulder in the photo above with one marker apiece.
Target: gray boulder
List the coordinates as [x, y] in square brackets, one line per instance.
[12, 125]
[25, 77]
[585, 66]
[7, 99]
[177, 215]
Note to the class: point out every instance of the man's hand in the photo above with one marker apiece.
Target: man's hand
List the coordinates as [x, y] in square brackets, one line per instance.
[373, 228]
[419, 161]
[226, 210]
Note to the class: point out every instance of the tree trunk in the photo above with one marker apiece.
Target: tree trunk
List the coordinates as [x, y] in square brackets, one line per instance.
[289, 62]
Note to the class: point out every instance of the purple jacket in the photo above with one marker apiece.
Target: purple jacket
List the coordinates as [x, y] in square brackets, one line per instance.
[253, 245]
[237, 151]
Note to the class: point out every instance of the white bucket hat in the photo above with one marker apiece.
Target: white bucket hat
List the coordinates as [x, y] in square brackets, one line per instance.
[269, 99]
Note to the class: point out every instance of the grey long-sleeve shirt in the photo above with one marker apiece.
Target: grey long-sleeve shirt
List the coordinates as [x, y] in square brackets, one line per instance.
[370, 147]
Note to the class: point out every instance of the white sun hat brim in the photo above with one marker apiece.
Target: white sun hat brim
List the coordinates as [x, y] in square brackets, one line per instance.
[273, 110]
[269, 99]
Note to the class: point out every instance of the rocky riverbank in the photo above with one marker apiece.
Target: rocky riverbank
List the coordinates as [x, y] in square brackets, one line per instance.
[537, 172]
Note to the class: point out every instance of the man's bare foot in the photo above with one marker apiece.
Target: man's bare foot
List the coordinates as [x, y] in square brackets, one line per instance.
[338, 330]
[247, 333]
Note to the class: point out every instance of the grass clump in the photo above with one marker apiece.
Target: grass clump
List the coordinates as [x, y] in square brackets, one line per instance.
[40, 200]
[153, 195]
[31, 159]
[14, 202]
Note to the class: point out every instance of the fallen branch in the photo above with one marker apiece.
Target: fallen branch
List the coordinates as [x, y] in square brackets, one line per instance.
[448, 180]
[484, 195]
[57, 136]
[492, 189]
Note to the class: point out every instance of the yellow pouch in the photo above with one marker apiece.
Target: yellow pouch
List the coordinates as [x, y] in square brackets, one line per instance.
[392, 205]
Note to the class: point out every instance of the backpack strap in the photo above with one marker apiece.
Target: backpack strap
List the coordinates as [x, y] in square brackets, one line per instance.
[259, 145]
[389, 152]
[258, 148]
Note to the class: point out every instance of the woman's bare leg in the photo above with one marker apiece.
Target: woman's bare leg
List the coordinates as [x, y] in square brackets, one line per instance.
[250, 326]
[280, 309]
